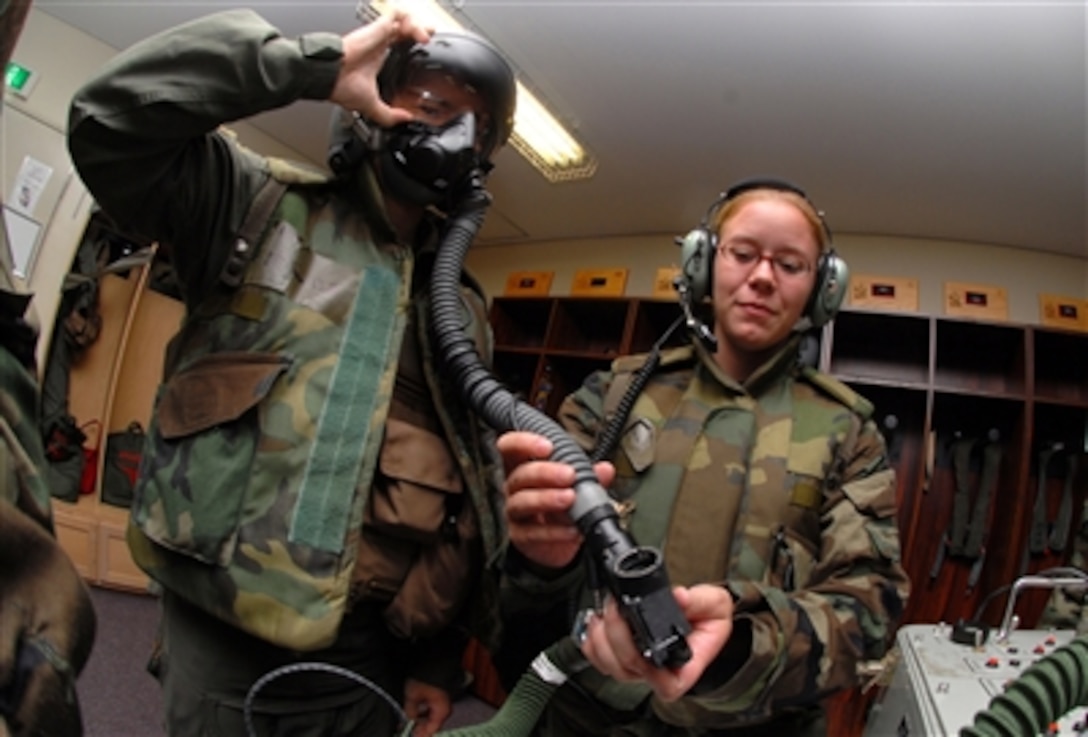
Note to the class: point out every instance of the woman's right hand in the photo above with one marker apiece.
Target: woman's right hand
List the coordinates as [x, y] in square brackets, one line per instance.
[539, 496]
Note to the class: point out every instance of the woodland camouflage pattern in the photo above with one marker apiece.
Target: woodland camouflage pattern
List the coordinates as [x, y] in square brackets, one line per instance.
[781, 489]
[233, 437]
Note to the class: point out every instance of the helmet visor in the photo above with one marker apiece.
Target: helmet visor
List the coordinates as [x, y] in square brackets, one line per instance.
[436, 97]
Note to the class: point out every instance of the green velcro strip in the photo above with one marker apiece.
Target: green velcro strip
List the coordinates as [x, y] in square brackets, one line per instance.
[324, 504]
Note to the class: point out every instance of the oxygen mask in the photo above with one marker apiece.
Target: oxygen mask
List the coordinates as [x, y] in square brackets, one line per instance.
[426, 160]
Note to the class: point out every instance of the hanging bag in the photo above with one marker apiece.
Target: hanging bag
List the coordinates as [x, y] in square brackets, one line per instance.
[67, 455]
[122, 465]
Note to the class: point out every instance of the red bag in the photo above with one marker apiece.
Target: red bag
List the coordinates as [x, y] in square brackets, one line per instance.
[90, 457]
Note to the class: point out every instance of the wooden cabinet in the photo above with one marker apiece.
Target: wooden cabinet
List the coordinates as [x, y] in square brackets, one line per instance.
[112, 384]
[546, 346]
[942, 379]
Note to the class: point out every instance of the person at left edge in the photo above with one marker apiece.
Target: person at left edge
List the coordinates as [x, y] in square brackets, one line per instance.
[47, 617]
[311, 489]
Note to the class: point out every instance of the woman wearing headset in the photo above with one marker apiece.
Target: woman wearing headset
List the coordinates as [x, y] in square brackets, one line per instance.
[764, 483]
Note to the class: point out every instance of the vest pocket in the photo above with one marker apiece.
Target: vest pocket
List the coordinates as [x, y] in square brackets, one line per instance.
[417, 550]
[417, 491]
[195, 474]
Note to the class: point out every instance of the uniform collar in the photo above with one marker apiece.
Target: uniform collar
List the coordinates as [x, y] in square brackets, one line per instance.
[784, 360]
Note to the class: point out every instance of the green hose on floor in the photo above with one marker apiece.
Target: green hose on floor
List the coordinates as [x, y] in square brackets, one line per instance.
[522, 708]
[515, 718]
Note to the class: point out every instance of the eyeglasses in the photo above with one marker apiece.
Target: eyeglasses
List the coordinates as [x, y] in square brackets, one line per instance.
[786, 264]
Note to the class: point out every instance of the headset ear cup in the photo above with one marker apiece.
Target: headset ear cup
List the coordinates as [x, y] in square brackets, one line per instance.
[696, 250]
[832, 275]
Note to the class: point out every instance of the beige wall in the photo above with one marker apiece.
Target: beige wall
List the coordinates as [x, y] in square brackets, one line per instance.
[1023, 273]
[64, 58]
[61, 74]
[39, 130]
[35, 127]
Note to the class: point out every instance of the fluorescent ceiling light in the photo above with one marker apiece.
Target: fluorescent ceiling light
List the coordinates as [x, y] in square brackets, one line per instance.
[537, 136]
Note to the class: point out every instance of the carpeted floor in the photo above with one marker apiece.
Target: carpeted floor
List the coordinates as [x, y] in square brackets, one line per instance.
[120, 699]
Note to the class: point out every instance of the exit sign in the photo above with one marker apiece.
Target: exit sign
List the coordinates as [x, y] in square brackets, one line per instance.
[19, 79]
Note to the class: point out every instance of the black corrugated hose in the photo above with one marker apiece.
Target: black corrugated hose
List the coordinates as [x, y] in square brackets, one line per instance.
[498, 406]
[634, 575]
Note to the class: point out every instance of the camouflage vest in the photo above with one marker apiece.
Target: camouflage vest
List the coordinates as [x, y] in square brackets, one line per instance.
[266, 432]
[728, 483]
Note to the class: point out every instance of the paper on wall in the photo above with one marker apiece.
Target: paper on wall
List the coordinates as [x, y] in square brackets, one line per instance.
[29, 184]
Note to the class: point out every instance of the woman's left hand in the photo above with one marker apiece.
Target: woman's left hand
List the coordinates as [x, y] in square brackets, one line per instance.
[611, 649]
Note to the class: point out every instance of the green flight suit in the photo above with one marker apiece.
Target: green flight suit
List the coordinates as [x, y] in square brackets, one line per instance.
[778, 488]
[301, 397]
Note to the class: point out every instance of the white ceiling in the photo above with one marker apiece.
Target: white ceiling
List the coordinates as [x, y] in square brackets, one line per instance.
[949, 120]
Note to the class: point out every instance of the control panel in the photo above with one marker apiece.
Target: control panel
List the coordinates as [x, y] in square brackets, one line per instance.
[939, 685]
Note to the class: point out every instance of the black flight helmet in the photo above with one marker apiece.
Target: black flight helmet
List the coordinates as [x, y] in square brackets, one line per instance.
[472, 61]
[418, 162]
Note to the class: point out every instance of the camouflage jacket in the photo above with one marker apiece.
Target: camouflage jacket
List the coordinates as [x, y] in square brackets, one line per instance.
[268, 428]
[23, 489]
[778, 488]
[22, 456]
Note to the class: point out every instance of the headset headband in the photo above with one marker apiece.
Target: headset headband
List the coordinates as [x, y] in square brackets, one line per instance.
[777, 185]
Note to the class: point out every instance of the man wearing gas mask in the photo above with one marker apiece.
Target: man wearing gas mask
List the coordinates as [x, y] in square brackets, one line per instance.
[310, 490]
